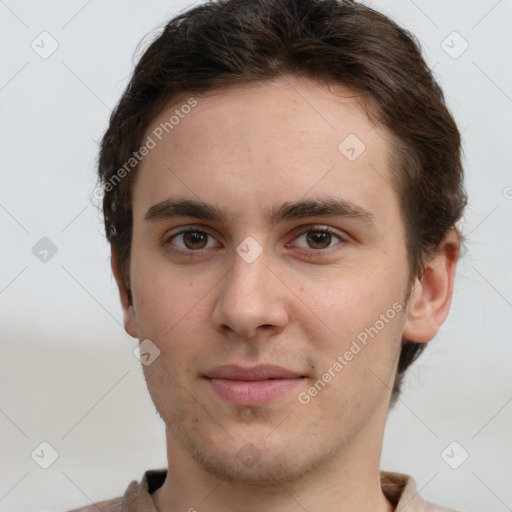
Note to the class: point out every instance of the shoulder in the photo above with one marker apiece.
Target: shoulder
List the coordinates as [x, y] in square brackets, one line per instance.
[136, 497]
[401, 491]
[113, 505]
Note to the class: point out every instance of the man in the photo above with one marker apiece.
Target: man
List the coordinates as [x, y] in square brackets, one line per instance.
[282, 182]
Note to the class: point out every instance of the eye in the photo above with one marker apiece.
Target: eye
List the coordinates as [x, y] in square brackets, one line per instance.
[318, 238]
[192, 240]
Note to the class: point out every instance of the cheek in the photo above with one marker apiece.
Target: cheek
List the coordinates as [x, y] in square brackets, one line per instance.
[345, 307]
[357, 336]
[164, 296]
[176, 325]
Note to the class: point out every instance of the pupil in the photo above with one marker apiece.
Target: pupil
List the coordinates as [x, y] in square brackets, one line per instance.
[195, 239]
[319, 240]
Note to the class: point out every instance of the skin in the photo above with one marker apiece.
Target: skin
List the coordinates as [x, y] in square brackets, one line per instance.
[246, 149]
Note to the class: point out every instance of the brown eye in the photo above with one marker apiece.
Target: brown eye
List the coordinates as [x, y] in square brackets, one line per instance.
[192, 240]
[319, 239]
[195, 240]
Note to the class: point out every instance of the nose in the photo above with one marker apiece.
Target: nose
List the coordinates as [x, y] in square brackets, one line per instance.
[251, 300]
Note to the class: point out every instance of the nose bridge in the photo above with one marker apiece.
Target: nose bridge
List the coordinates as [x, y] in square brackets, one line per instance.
[252, 279]
[249, 297]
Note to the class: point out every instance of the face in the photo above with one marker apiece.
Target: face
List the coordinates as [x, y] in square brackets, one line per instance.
[269, 267]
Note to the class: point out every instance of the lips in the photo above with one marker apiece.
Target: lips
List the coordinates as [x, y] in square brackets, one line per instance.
[260, 372]
[252, 386]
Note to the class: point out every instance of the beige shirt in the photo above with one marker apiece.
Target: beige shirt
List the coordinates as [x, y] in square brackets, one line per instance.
[398, 488]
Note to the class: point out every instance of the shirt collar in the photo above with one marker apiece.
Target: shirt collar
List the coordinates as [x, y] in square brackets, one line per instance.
[399, 489]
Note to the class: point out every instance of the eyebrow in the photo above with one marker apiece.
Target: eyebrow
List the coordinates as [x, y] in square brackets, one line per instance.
[329, 206]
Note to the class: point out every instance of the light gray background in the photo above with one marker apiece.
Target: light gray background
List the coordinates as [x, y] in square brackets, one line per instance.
[68, 374]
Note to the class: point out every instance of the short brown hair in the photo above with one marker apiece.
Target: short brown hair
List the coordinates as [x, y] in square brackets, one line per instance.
[225, 42]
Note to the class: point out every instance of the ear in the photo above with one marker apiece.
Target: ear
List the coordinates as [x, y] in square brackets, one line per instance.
[129, 319]
[432, 294]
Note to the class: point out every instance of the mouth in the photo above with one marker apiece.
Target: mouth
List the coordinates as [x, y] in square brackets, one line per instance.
[252, 386]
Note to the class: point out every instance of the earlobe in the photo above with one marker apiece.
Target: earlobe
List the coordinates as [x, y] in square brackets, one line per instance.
[130, 321]
[431, 297]
[125, 295]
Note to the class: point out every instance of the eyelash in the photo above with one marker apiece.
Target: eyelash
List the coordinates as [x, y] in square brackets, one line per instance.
[308, 251]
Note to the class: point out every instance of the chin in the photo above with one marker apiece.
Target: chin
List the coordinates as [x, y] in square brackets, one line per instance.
[270, 470]
[254, 463]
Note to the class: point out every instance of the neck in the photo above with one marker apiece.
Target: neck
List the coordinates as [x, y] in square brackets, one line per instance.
[347, 482]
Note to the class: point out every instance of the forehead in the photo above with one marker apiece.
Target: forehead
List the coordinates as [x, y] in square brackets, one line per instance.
[266, 143]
